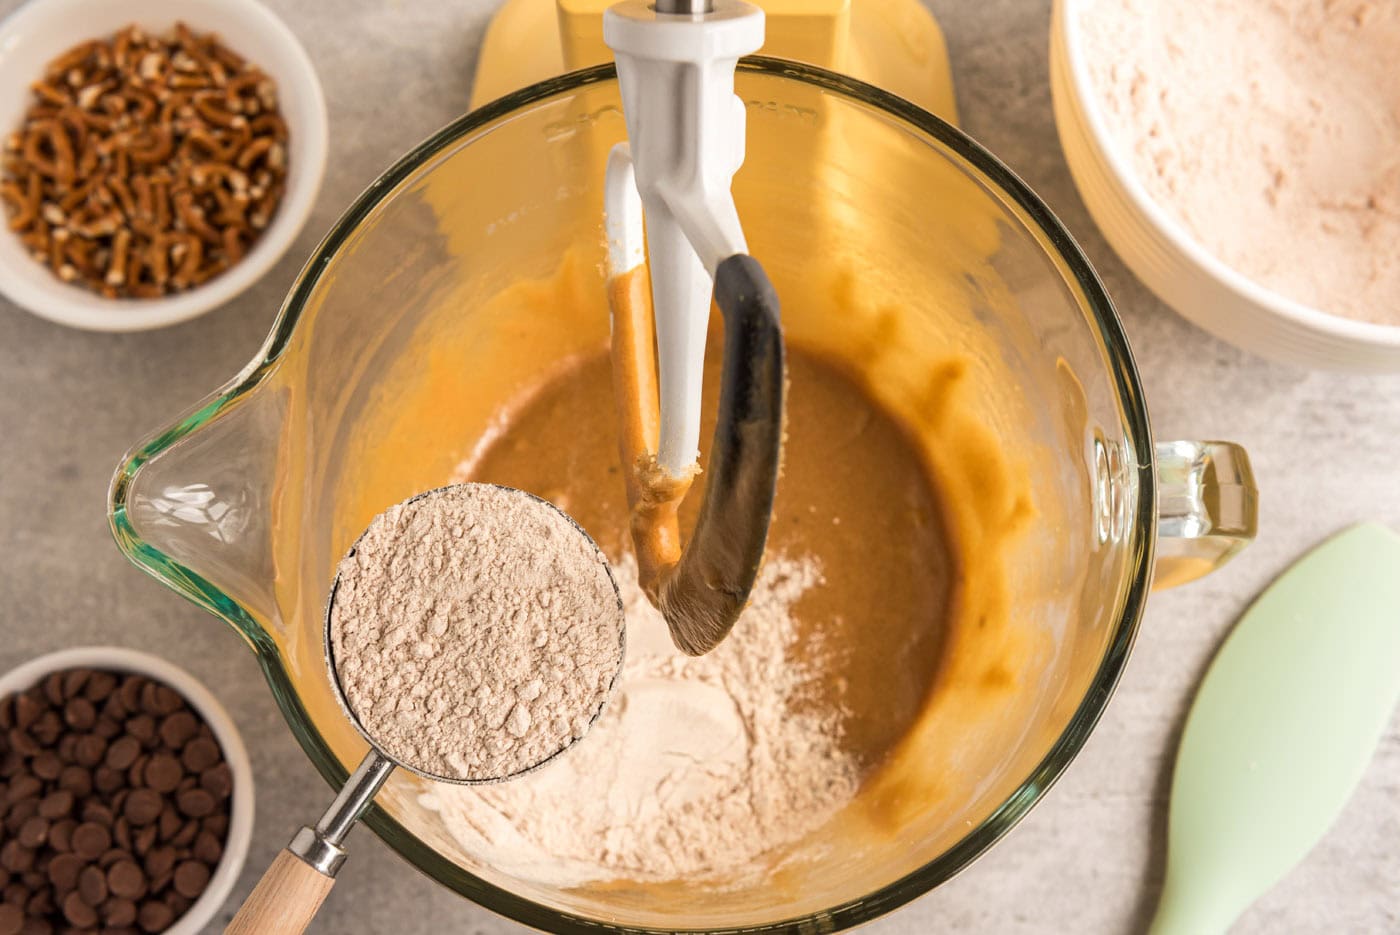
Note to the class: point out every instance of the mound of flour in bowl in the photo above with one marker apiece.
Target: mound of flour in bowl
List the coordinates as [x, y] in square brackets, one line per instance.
[1270, 129]
[696, 768]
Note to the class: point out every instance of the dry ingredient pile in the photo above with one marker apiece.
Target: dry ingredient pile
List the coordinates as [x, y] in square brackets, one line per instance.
[691, 749]
[475, 632]
[146, 164]
[1271, 129]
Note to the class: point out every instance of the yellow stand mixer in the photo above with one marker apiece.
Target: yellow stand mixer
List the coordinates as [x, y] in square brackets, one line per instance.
[896, 45]
[675, 62]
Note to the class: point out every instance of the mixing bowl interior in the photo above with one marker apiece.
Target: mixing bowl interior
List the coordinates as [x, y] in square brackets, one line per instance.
[474, 270]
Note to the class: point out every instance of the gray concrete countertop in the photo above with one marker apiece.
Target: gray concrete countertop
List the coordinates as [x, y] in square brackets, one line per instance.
[1088, 859]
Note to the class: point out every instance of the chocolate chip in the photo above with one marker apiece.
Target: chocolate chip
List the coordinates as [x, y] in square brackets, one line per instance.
[123, 752]
[47, 729]
[77, 911]
[76, 780]
[125, 879]
[92, 886]
[20, 812]
[154, 916]
[169, 822]
[178, 904]
[67, 746]
[46, 765]
[53, 688]
[159, 862]
[208, 848]
[94, 810]
[185, 836]
[90, 839]
[22, 787]
[130, 691]
[136, 774]
[63, 871]
[99, 686]
[217, 781]
[143, 728]
[118, 912]
[177, 729]
[163, 772]
[217, 825]
[61, 835]
[74, 680]
[11, 764]
[200, 754]
[121, 832]
[196, 803]
[11, 919]
[191, 877]
[40, 901]
[34, 832]
[27, 709]
[90, 750]
[15, 857]
[145, 839]
[107, 728]
[142, 807]
[106, 779]
[56, 804]
[20, 742]
[79, 714]
[114, 709]
[160, 700]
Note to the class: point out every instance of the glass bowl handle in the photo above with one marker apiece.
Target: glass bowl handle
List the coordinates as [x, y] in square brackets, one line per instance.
[1207, 508]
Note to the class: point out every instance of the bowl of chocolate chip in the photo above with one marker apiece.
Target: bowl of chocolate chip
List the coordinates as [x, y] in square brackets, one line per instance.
[158, 156]
[126, 796]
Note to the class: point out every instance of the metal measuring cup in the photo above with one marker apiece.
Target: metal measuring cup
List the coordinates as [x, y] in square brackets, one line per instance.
[293, 888]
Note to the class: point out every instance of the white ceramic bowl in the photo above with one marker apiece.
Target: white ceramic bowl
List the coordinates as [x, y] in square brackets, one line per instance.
[240, 826]
[1170, 261]
[42, 29]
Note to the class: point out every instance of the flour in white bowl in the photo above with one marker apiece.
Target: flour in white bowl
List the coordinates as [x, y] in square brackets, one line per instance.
[1270, 129]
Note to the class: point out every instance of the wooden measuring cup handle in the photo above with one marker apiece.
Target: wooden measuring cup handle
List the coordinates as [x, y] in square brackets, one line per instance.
[285, 900]
[291, 891]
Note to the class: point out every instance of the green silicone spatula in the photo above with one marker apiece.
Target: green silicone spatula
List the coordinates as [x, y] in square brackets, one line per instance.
[1282, 729]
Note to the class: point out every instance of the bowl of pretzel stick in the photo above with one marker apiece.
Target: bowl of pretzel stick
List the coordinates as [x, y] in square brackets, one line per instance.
[159, 156]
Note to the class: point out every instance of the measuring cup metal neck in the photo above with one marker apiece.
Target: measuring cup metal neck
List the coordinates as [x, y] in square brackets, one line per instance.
[320, 847]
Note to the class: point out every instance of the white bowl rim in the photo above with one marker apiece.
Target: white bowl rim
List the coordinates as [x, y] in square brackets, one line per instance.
[240, 828]
[75, 307]
[1299, 313]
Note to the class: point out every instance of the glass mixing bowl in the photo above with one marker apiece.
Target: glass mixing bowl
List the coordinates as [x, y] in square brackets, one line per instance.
[896, 243]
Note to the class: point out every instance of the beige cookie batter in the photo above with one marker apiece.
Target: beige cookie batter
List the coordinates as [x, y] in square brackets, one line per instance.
[854, 496]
